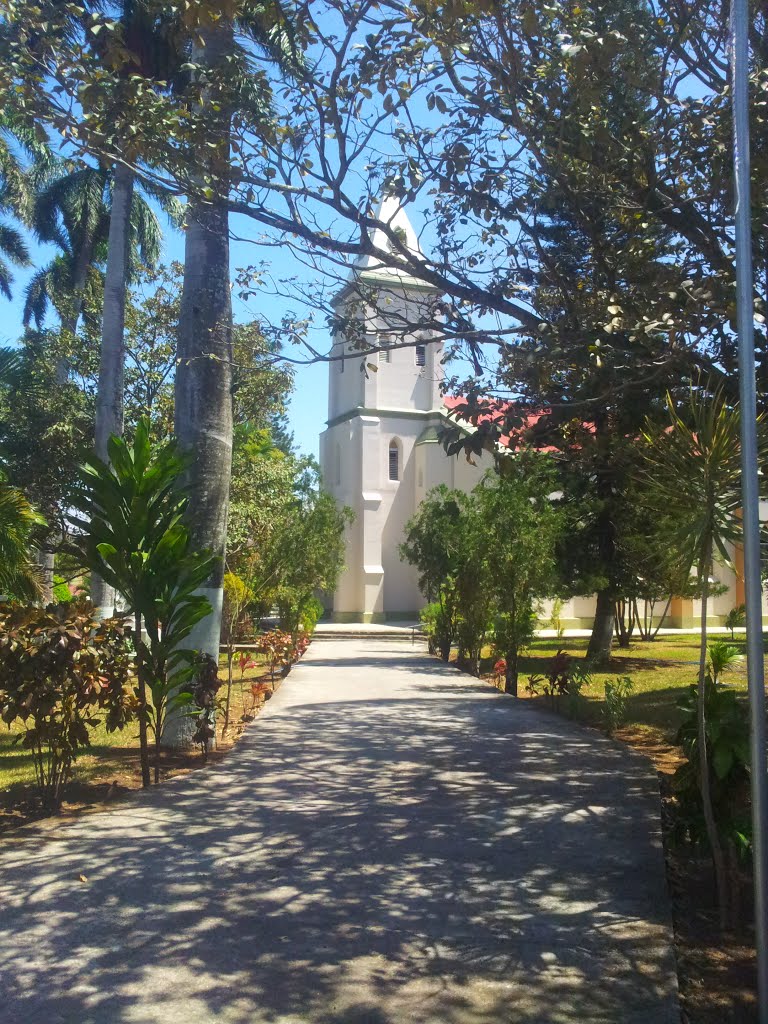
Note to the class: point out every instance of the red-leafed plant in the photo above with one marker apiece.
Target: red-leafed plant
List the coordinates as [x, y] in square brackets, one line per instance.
[62, 672]
[499, 672]
[244, 662]
[277, 647]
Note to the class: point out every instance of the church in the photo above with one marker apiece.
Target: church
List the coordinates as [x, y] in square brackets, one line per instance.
[380, 454]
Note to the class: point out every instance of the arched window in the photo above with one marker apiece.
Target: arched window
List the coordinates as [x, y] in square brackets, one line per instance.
[421, 355]
[394, 460]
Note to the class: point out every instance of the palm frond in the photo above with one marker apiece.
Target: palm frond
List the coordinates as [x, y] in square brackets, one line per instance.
[173, 207]
[50, 285]
[270, 27]
[17, 521]
[146, 233]
[6, 277]
[11, 365]
[13, 246]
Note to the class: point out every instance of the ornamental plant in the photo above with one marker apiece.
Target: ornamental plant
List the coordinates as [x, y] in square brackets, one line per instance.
[277, 647]
[131, 531]
[617, 692]
[62, 672]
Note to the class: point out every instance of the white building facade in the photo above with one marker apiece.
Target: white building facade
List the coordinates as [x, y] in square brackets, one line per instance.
[380, 453]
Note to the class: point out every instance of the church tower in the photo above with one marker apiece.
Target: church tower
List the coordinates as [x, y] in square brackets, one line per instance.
[383, 415]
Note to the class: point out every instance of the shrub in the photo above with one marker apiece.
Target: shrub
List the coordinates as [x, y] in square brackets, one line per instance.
[278, 648]
[61, 592]
[563, 683]
[438, 628]
[205, 688]
[500, 673]
[722, 656]
[311, 611]
[300, 645]
[727, 732]
[130, 531]
[513, 632]
[615, 708]
[736, 619]
[61, 672]
[555, 618]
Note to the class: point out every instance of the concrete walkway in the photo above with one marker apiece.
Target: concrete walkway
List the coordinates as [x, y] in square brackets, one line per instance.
[391, 842]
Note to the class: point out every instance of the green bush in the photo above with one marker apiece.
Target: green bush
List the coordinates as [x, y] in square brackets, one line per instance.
[61, 592]
[438, 629]
[311, 612]
[727, 731]
[61, 673]
[736, 619]
[617, 692]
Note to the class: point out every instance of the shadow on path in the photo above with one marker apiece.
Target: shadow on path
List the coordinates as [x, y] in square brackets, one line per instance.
[386, 845]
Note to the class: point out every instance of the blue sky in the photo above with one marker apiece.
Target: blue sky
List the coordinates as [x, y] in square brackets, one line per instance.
[307, 411]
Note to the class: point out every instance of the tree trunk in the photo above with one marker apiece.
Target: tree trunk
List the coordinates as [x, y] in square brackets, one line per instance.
[599, 648]
[230, 657]
[718, 857]
[109, 398]
[203, 385]
[624, 621]
[142, 688]
[511, 675]
[45, 559]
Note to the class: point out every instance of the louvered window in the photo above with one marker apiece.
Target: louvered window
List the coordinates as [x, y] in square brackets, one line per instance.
[385, 342]
[394, 461]
[421, 355]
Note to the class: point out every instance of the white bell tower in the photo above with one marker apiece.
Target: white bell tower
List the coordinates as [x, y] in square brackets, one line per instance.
[380, 408]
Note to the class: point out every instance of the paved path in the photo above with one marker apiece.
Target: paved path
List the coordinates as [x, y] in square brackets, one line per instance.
[391, 843]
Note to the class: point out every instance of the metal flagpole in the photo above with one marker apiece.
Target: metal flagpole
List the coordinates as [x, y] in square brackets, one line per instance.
[750, 492]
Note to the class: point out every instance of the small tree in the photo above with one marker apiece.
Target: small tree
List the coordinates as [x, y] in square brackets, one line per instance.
[237, 596]
[61, 671]
[521, 527]
[693, 472]
[736, 619]
[132, 534]
[434, 543]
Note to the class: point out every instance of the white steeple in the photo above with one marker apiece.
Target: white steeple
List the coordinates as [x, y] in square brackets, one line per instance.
[388, 211]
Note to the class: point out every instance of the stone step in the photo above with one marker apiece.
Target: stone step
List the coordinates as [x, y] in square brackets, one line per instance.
[412, 633]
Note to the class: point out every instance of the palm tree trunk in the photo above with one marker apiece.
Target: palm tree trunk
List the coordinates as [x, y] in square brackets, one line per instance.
[203, 384]
[109, 399]
[718, 857]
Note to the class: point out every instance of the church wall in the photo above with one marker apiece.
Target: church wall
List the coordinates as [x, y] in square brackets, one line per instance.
[401, 589]
[467, 475]
[340, 462]
[345, 384]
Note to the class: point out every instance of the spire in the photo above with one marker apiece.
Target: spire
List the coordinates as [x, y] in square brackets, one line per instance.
[389, 211]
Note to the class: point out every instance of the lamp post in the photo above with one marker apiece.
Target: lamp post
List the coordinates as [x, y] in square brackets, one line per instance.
[750, 492]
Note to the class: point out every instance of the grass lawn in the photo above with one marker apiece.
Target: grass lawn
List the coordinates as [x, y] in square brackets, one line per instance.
[660, 671]
[110, 766]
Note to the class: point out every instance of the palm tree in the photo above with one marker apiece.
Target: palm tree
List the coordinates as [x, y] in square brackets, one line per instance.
[150, 50]
[72, 209]
[203, 383]
[692, 469]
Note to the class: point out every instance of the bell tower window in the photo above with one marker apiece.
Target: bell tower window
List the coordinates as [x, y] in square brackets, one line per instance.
[394, 460]
[421, 355]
